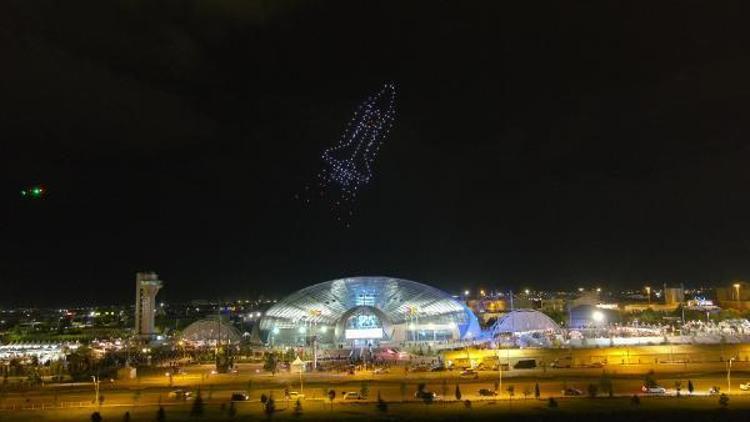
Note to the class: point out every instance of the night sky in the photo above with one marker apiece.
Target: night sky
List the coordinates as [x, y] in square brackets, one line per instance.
[536, 145]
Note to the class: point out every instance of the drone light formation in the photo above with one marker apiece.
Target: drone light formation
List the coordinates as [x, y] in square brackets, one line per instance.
[349, 164]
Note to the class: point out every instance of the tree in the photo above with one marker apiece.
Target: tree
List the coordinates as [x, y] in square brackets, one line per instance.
[605, 384]
[723, 400]
[197, 409]
[232, 412]
[593, 391]
[331, 396]
[161, 416]
[467, 404]
[263, 399]
[382, 405]
[270, 407]
[458, 393]
[96, 417]
[649, 380]
[635, 400]
[526, 392]
[126, 417]
[297, 408]
[552, 403]
[678, 387]
[537, 392]
[511, 391]
[690, 387]
[271, 364]
[364, 389]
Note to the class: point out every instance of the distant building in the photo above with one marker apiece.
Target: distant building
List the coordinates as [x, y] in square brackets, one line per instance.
[147, 285]
[735, 296]
[674, 295]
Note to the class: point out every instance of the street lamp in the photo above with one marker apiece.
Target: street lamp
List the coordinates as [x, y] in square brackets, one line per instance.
[648, 293]
[96, 389]
[598, 317]
[729, 374]
[737, 291]
[466, 293]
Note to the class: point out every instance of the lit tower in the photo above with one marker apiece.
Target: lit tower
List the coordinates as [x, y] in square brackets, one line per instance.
[147, 285]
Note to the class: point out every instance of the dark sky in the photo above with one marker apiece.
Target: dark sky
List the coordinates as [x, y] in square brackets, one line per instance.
[539, 145]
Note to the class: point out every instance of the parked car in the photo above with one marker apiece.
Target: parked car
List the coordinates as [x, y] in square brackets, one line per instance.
[570, 391]
[713, 391]
[468, 373]
[525, 364]
[422, 395]
[486, 392]
[294, 395]
[653, 389]
[593, 365]
[377, 371]
[745, 386]
[180, 395]
[563, 362]
[353, 395]
[240, 396]
[438, 368]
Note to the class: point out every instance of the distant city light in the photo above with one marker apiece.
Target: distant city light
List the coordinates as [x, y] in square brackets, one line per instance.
[466, 292]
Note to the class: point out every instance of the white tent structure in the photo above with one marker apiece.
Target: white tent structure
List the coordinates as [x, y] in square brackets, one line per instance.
[523, 321]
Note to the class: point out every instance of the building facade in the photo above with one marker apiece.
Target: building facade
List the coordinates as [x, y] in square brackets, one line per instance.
[147, 285]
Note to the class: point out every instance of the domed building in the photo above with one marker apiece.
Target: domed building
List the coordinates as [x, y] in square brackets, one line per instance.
[368, 311]
[523, 321]
[209, 331]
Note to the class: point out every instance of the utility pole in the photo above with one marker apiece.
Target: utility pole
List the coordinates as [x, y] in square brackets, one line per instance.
[96, 390]
[729, 374]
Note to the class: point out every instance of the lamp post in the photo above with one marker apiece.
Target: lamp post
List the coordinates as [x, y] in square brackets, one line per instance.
[96, 389]
[737, 293]
[648, 293]
[499, 371]
[729, 374]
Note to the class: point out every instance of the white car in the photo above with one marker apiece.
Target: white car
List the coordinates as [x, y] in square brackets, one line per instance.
[294, 395]
[654, 389]
[745, 386]
[353, 395]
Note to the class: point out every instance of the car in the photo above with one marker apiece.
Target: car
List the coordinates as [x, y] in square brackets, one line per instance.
[296, 395]
[381, 371]
[593, 365]
[653, 389]
[240, 396]
[713, 391]
[525, 364]
[419, 368]
[425, 395]
[563, 362]
[353, 395]
[570, 391]
[486, 392]
[745, 386]
[438, 368]
[180, 394]
[468, 373]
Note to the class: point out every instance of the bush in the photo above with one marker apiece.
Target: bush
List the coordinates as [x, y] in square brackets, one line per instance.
[197, 409]
[635, 400]
[297, 408]
[270, 407]
[552, 403]
[161, 416]
[723, 400]
[593, 391]
[96, 417]
[382, 404]
[458, 393]
[467, 404]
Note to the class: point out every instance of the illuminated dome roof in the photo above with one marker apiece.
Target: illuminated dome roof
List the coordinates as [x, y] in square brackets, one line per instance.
[210, 330]
[523, 320]
[396, 300]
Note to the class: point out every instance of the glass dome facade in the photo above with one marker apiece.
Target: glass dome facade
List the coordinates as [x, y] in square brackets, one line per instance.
[368, 309]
